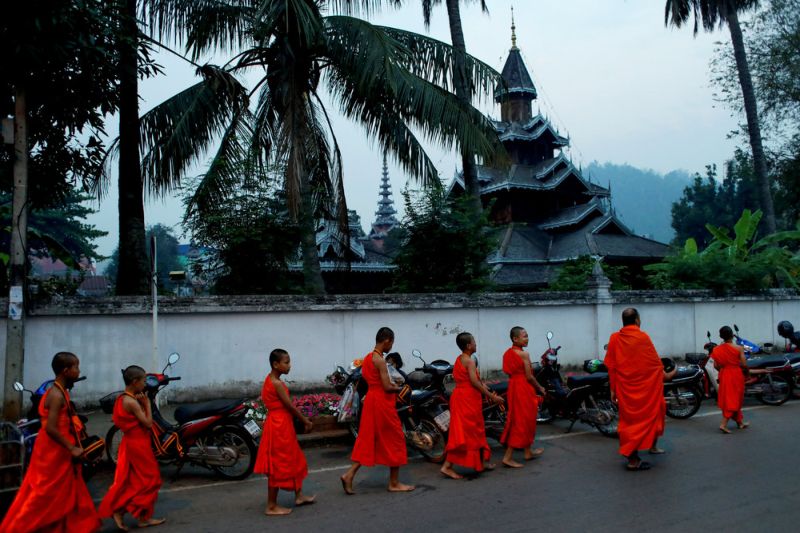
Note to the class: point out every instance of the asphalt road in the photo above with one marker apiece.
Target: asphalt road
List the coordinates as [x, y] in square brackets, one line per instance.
[746, 481]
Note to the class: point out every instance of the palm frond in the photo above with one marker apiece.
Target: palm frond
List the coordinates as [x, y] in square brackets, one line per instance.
[708, 13]
[176, 133]
[359, 7]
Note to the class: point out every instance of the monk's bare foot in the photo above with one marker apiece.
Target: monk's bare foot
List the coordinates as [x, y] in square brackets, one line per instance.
[120, 523]
[277, 510]
[533, 454]
[511, 463]
[489, 466]
[449, 472]
[152, 522]
[725, 430]
[744, 425]
[304, 500]
[655, 450]
[401, 487]
[347, 485]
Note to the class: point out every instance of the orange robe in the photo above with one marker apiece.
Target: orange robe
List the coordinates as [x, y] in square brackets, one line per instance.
[137, 477]
[522, 403]
[731, 381]
[380, 436]
[279, 455]
[466, 440]
[637, 378]
[53, 496]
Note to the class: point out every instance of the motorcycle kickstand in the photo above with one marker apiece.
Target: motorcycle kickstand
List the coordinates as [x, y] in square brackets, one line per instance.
[177, 473]
[569, 429]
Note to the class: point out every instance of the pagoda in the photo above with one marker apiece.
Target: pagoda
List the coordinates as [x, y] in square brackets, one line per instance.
[545, 210]
[385, 220]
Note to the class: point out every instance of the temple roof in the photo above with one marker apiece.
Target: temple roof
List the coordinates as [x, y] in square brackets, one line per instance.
[531, 131]
[515, 77]
[545, 175]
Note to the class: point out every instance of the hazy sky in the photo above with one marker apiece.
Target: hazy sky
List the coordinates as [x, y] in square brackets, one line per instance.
[609, 74]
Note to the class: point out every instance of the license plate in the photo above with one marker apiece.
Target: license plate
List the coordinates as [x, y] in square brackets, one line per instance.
[252, 428]
[443, 420]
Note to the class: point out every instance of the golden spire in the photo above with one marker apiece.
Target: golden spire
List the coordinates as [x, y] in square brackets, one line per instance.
[513, 31]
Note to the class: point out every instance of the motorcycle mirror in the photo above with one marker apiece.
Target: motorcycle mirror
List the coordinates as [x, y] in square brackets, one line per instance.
[174, 357]
[18, 386]
[708, 334]
[416, 353]
[549, 335]
[736, 328]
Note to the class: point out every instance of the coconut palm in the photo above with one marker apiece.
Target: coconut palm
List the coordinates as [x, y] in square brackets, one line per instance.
[710, 14]
[395, 83]
[462, 83]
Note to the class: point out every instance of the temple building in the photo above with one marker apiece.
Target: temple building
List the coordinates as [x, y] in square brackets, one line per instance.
[545, 210]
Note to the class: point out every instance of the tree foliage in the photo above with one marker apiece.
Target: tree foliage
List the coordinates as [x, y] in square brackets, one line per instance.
[167, 255]
[575, 273]
[444, 246]
[711, 201]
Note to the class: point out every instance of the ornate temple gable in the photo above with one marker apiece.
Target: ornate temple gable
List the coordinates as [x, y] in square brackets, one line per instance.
[547, 175]
[535, 129]
[331, 244]
[571, 216]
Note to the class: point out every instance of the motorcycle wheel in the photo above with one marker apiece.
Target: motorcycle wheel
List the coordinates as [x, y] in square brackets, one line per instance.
[796, 387]
[545, 416]
[683, 412]
[436, 453]
[355, 423]
[610, 429]
[113, 438]
[494, 422]
[781, 391]
[241, 440]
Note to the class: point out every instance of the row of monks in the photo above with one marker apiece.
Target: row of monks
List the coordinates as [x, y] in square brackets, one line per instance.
[636, 376]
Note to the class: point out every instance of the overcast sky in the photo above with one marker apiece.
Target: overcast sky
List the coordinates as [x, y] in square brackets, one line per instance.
[609, 74]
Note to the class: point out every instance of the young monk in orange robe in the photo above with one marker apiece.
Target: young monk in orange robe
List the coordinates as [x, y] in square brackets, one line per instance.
[466, 440]
[523, 402]
[730, 361]
[279, 455]
[53, 496]
[137, 477]
[637, 377]
[380, 436]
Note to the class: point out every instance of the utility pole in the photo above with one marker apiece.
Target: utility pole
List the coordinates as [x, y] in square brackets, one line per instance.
[15, 321]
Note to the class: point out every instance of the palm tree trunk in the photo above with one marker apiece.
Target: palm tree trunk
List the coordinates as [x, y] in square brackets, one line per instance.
[312, 273]
[132, 276]
[462, 85]
[753, 128]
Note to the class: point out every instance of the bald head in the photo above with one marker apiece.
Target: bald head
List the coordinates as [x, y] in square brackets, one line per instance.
[62, 361]
[132, 373]
[630, 316]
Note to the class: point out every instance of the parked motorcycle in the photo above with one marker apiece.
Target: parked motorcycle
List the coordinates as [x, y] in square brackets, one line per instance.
[585, 398]
[423, 411]
[792, 352]
[769, 378]
[750, 348]
[217, 434]
[684, 392]
[31, 425]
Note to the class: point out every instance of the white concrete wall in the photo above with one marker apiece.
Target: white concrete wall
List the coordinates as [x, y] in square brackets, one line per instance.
[225, 353]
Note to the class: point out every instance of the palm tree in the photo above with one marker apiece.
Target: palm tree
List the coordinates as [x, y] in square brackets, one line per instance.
[392, 82]
[462, 86]
[721, 12]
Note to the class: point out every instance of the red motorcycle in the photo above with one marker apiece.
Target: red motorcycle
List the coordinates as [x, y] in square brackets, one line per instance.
[217, 434]
[792, 349]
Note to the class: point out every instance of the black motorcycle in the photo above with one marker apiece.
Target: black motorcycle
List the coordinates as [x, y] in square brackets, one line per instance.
[684, 392]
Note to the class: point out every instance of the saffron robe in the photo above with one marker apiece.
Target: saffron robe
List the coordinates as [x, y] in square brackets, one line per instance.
[466, 440]
[731, 381]
[279, 455]
[637, 378]
[522, 403]
[53, 496]
[137, 478]
[380, 435]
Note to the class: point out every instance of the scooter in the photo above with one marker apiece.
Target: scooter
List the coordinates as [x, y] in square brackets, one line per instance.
[750, 348]
[792, 352]
[31, 425]
[217, 434]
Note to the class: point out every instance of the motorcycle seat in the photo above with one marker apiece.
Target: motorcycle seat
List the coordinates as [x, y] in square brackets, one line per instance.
[421, 396]
[767, 361]
[419, 379]
[186, 413]
[499, 388]
[793, 358]
[592, 379]
[686, 372]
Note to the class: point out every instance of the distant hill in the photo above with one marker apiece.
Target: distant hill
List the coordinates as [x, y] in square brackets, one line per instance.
[642, 198]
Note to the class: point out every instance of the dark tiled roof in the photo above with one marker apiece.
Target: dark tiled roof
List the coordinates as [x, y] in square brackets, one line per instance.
[516, 77]
[621, 246]
[531, 131]
[520, 242]
[525, 275]
[571, 215]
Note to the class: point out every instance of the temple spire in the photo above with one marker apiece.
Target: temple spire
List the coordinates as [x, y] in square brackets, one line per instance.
[513, 31]
[385, 215]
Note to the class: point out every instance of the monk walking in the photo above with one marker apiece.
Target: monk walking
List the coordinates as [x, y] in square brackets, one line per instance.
[53, 496]
[137, 477]
[523, 402]
[466, 441]
[637, 377]
[380, 436]
[730, 361]
[279, 455]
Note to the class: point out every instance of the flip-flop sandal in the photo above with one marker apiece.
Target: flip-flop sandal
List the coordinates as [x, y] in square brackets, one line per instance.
[154, 523]
[643, 465]
[657, 451]
[725, 430]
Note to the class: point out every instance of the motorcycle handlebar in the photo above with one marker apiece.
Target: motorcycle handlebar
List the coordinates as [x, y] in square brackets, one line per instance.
[82, 378]
[178, 378]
